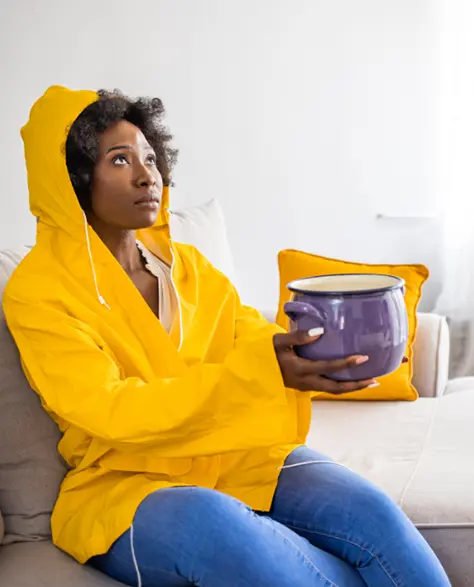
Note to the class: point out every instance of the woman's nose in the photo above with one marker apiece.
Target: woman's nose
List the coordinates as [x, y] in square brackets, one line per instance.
[144, 177]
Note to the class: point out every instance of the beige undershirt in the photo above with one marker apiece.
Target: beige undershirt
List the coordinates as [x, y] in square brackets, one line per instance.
[167, 302]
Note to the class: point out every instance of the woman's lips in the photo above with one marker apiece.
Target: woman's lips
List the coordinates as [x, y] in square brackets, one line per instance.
[147, 204]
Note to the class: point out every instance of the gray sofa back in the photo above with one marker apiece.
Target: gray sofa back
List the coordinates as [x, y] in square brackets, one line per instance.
[31, 469]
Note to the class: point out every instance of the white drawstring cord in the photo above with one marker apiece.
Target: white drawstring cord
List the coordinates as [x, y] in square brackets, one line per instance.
[91, 260]
[312, 463]
[132, 548]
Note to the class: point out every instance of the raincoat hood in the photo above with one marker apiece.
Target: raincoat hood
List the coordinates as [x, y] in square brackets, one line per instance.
[139, 409]
[52, 198]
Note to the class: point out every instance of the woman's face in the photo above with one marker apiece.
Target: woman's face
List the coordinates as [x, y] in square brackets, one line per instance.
[127, 186]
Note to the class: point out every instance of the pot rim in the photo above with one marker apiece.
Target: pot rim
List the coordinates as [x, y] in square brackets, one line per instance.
[399, 283]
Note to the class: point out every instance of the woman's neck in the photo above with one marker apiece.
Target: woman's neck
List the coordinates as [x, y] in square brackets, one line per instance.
[121, 243]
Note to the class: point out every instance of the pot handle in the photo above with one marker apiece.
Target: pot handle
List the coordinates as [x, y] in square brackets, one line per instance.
[297, 310]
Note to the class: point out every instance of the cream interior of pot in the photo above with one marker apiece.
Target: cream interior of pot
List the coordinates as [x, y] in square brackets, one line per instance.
[346, 283]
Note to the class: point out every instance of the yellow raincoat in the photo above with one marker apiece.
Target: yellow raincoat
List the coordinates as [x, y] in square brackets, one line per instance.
[138, 410]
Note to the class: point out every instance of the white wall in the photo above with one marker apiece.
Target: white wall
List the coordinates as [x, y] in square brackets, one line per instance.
[306, 118]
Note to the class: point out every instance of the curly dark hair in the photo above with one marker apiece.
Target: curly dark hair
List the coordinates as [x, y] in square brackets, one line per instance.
[82, 143]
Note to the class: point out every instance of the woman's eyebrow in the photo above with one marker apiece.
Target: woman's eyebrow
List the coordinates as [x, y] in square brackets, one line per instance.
[117, 147]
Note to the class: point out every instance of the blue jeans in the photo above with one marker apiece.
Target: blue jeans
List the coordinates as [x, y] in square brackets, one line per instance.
[327, 527]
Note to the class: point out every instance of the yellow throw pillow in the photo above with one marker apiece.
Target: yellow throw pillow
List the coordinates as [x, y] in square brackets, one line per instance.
[297, 265]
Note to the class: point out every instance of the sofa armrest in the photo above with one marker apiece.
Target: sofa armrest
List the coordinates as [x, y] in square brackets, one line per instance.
[430, 353]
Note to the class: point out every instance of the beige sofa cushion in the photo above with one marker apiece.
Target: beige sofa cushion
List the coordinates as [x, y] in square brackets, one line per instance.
[30, 468]
[420, 453]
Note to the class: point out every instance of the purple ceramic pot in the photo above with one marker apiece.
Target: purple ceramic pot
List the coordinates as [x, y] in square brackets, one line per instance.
[362, 314]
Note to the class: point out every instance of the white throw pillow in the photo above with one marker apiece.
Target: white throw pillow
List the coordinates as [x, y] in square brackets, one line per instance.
[204, 227]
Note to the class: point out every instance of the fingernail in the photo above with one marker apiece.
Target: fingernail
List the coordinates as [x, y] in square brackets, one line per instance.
[362, 359]
[315, 332]
[375, 384]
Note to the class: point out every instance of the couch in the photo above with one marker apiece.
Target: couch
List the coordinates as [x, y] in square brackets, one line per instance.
[418, 452]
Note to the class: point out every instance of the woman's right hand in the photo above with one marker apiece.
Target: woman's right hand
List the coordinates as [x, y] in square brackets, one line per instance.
[307, 375]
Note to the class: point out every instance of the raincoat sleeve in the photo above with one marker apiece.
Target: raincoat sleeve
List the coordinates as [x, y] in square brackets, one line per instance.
[209, 408]
[250, 324]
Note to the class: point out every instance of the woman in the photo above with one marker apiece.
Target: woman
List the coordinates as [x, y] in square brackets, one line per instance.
[183, 413]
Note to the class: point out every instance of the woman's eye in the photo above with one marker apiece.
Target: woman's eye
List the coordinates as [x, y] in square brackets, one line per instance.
[119, 160]
[151, 159]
